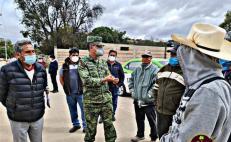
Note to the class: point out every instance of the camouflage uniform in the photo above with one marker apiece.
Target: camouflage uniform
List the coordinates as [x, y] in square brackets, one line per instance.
[97, 98]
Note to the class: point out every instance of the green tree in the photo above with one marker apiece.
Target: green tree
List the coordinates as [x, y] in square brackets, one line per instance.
[227, 22]
[109, 35]
[47, 21]
[9, 46]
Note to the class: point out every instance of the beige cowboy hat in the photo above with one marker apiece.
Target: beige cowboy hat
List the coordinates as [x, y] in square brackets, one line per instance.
[208, 39]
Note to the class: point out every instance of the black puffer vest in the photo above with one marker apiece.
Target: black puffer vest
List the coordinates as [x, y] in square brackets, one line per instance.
[24, 100]
[66, 77]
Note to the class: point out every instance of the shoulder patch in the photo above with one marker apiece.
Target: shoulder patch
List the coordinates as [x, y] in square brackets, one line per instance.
[82, 63]
[201, 138]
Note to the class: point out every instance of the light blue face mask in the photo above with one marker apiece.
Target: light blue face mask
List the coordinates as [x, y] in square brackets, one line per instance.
[30, 59]
[99, 52]
[173, 61]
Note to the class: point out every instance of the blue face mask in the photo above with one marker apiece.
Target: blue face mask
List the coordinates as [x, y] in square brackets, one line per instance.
[173, 61]
[30, 59]
[225, 64]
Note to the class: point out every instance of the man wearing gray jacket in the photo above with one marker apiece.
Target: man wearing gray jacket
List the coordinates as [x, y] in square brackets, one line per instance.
[205, 108]
[141, 86]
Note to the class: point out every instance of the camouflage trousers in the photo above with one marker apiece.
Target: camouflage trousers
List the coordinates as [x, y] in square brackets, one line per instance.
[92, 113]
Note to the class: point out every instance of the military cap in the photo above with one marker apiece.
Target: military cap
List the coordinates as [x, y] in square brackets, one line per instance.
[95, 39]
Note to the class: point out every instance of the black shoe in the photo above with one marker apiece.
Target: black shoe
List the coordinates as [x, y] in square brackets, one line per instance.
[113, 118]
[54, 91]
[100, 120]
[74, 128]
[137, 139]
[84, 130]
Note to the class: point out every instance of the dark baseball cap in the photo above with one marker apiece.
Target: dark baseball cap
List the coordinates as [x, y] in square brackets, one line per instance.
[174, 49]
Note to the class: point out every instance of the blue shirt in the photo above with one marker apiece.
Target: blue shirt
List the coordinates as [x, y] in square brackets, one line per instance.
[73, 78]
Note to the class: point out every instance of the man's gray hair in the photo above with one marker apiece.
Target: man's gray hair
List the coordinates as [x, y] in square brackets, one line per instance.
[19, 44]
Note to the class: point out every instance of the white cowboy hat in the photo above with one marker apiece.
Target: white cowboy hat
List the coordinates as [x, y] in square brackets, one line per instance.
[208, 39]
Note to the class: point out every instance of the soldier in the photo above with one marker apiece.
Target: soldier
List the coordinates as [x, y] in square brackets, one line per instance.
[95, 76]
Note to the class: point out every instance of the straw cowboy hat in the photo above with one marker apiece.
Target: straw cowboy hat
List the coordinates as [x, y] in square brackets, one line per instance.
[208, 39]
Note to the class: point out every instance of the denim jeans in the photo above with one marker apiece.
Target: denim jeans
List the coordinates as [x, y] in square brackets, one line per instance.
[72, 101]
[114, 91]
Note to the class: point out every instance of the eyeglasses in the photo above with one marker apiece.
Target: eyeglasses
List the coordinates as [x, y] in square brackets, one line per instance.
[113, 55]
[98, 46]
[145, 56]
[74, 55]
[30, 51]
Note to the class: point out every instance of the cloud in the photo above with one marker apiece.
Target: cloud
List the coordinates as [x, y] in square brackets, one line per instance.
[139, 18]
[10, 21]
[159, 19]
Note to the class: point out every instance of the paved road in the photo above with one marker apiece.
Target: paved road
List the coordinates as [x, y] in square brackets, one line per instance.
[57, 122]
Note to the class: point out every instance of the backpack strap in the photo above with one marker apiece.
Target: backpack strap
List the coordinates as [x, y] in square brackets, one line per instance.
[191, 91]
[188, 95]
[211, 80]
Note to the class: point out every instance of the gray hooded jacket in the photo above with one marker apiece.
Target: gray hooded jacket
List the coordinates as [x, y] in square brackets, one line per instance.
[208, 112]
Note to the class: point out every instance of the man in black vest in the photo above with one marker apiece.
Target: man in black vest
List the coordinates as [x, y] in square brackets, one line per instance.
[22, 85]
[72, 85]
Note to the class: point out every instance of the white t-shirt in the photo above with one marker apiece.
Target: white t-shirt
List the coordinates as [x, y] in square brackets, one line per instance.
[30, 74]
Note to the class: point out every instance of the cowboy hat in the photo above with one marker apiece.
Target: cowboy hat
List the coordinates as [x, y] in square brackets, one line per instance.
[208, 39]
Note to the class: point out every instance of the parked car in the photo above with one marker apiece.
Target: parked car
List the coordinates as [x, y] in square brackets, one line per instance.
[130, 66]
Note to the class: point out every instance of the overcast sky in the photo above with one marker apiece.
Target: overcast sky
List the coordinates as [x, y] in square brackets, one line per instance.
[145, 19]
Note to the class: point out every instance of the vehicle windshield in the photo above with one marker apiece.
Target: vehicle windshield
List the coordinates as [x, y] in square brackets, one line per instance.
[133, 65]
[164, 62]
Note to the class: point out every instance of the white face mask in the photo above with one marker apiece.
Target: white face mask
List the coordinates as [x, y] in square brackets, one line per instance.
[75, 59]
[40, 60]
[111, 58]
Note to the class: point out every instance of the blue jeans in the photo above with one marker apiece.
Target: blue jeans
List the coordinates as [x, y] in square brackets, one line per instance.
[72, 101]
[114, 91]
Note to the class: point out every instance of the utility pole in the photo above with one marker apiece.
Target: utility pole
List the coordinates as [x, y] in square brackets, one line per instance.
[5, 50]
[5, 43]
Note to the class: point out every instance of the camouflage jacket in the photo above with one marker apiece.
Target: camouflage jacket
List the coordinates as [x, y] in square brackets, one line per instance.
[91, 73]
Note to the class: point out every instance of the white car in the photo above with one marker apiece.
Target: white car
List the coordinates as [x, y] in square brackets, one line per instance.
[124, 90]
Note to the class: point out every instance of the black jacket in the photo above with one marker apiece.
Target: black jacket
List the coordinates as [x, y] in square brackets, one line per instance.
[53, 67]
[117, 71]
[66, 77]
[23, 100]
